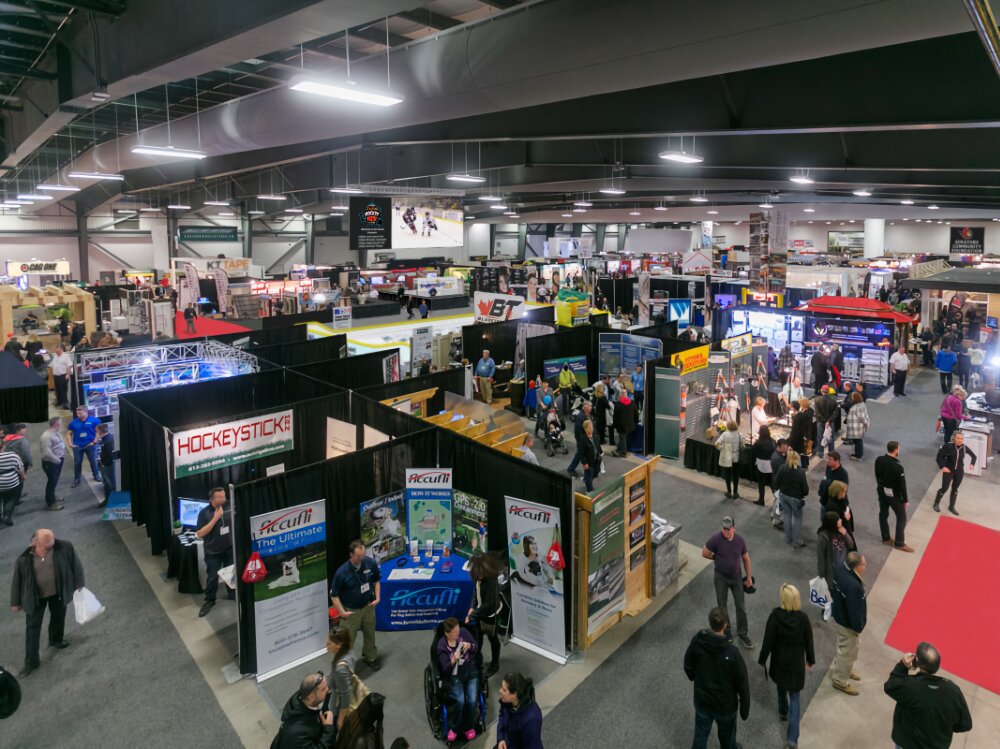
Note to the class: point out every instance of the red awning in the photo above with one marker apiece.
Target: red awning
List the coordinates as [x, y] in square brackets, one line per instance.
[849, 306]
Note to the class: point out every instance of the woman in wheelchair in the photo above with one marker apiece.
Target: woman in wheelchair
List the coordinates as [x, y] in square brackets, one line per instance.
[459, 668]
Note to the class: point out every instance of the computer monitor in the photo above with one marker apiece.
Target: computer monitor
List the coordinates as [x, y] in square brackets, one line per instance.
[991, 322]
[187, 511]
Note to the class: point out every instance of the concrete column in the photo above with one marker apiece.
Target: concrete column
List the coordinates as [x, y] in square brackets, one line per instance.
[83, 243]
[874, 237]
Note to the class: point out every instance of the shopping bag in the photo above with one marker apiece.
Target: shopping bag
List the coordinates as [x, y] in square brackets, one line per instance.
[819, 595]
[227, 576]
[86, 606]
[776, 509]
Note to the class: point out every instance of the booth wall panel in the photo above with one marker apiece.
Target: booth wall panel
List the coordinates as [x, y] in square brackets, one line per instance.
[449, 381]
[580, 341]
[302, 352]
[349, 372]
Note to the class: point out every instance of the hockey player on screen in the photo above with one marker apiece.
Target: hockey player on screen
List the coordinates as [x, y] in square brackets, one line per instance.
[429, 224]
[410, 219]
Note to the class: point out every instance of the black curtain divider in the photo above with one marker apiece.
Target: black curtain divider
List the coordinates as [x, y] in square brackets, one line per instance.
[662, 331]
[343, 483]
[578, 341]
[499, 337]
[24, 396]
[146, 417]
[620, 292]
[302, 352]
[267, 337]
[677, 288]
[350, 372]
[492, 475]
[450, 380]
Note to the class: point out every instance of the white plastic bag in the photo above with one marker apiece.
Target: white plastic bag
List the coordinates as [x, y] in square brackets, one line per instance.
[819, 595]
[227, 576]
[87, 606]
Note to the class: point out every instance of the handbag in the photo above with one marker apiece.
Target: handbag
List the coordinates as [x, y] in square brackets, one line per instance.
[358, 689]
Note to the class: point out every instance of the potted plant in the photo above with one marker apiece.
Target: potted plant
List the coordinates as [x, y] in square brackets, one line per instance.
[178, 528]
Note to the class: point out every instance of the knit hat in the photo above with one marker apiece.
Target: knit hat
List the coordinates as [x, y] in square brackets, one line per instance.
[624, 400]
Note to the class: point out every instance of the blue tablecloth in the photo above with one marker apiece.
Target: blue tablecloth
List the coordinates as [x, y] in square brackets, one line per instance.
[423, 604]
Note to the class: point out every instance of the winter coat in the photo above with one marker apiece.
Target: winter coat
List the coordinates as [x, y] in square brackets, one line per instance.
[602, 407]
[590, 453]
[719, 675]
[530, 398]
[301, 728]
[625, 417]
[791, 482]
[951, 408]
[521, 726]
[728, 445]
[850, 609]
[788, 643]
[945, 360]
[69, 577]
[929, 709]
[802, 429]
[825, 408]
[857, 422]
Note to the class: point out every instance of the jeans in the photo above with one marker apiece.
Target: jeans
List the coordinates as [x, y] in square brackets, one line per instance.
[363, 620]
[464, 697]
[950, 425]
[108, 479]
[954, 480]
[788, 704]
[190, 325]
[575, 462]
[791, 512]
[859, 447]
[8, 501]
[91, 453]
[703, 729]
[623, 443]
[848, 644]
[214, 563]
[62, 389]
[763, 481]
[818, 447]
[722, 590]
[963, 378]
[946, 382]
[52, 471]
[33, 632]
[886, 503]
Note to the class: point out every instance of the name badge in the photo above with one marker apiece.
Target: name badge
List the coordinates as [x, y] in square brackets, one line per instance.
[365, 587]
[224, 530]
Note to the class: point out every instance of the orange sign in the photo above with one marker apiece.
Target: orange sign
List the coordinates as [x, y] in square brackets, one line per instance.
[691, 360]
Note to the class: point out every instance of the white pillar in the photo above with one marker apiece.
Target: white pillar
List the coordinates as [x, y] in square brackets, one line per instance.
[874, 237]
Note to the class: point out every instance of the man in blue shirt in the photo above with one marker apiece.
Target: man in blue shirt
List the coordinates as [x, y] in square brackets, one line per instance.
[638, 385]
[485, 369]
[81, 436]
[355, 593]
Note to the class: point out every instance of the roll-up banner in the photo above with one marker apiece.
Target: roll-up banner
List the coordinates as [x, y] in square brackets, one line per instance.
[219, 445]
[290, 603]
[537, 599]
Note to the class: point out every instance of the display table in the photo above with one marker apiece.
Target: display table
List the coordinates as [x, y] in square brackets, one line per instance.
[704, 457]
[423, 603]
[186, 563]
[978, 408]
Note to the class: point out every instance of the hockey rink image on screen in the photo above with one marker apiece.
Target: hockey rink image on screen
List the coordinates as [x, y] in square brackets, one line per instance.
[419, 221]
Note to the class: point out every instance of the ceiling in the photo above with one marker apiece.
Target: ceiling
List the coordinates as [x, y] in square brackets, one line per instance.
[549, 100]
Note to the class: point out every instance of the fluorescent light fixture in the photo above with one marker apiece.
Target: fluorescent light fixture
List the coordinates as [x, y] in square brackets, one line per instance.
[712, 212]
[851, 221]
[347, 91]
[681, 157]
[802, 179]
[611, 191]
[660, 208]
[100, 94]
[346, 190]
[271, 196]
[510, 213]
[294, 210]
[906, 202]
[490, 198]
[131, 211]
[929, 208]
[634, 213]
[149, 209]
[223, 203]
[570, 215]
[465, 178]
[255, 213]
[56, 188]
[22, 202]
[33, 196]
[341, 208]
[179, 207]
[809, 210]
[498, 207]
[226, 214]
[514, 215]
[579, 210]
[582, 203]
[863, 193]
[18, 205]
[765, 204]
[96, 175]
[169, 152]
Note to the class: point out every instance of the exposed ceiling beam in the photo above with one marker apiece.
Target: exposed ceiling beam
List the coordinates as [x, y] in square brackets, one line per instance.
[18, 71]
[102, 7]
[501, 4]
[372, 34]
[14, 28]
[429, 18]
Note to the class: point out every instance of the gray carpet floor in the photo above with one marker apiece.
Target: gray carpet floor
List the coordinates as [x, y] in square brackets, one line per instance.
[640, 695]
[126, 679]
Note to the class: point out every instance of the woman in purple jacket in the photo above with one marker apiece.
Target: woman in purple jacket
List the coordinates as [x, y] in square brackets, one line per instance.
[951, 412]
[520, 723]
[457, 658]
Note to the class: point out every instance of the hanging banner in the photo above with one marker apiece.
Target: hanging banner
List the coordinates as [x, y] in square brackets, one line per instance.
[967, 240]
[341, 437]
[469, 524]
[490, 307]
[383, 525]
[207, 234]
[371, 226]
[606, 557]
[220, 445]
[221, 288]
[737, 346]
[48, 268]
[290, 603]
[643, 298]
[537, 603]
[428, 506]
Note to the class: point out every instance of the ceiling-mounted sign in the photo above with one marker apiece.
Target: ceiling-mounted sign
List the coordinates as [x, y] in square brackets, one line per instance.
[220, 445]
[967, 240]
[207, 234]
[491, 307]
[371, 223]
[46, 267]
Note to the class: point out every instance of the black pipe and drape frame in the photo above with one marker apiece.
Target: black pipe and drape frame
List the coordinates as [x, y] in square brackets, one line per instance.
[351, 372]
[24, 396]
[303, 352]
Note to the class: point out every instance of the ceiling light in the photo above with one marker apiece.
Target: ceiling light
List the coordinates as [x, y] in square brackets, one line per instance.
[712, 212]
[56, 188]
[583, 203]
[681, 157]
[634, 213]
[348, 91]
[802, 179]
[579, 210]
[223, 203]
[863, 193]
[612, 191]
[169, 152]
[510, 213]
[809, 210]
[20, 201]
[255, 213]
[339, 207]
[660, 208]
[765, 204]
[269, 196]
[810, 222]
[919, 220]
[131, 211]
[698, 199]
[465, 178]
[226, 214]
[100, 94]
[149, 209]
[827, 223]
[95, 175]
[490, 198]
[294, 210]
[851, 221]
[514, 215]
[344, 190]
[498, 207]
[567, 215]
[906, 202]
[33, 196]
[179, 207]
[929, 208]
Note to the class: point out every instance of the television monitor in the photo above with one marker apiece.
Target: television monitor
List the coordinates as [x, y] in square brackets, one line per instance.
[187, 511]
[376, 280]
[422, 221]
[991, 322]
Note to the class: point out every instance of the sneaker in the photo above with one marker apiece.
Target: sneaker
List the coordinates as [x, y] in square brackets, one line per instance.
[61, 645]
[57, 506]
[855, 676]
[451, 736]
[847, 689]
[470, 734]
[374, 665]
[746, 642]
[205, 608]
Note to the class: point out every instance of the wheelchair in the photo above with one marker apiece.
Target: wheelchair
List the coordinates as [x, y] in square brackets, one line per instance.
[436, 694]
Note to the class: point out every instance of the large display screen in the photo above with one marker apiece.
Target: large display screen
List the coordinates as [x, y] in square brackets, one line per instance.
[427, 222]
[187, 511]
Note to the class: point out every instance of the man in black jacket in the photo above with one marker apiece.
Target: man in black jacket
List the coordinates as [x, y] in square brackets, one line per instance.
[581, 416]
[304, 723]
[820, 365]
[890, 482]
[825, 407]
[835, 471]
[951, 461]
[929, 708]
[46, 574]
[850, 614]
[777, 460]
[720, 681]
